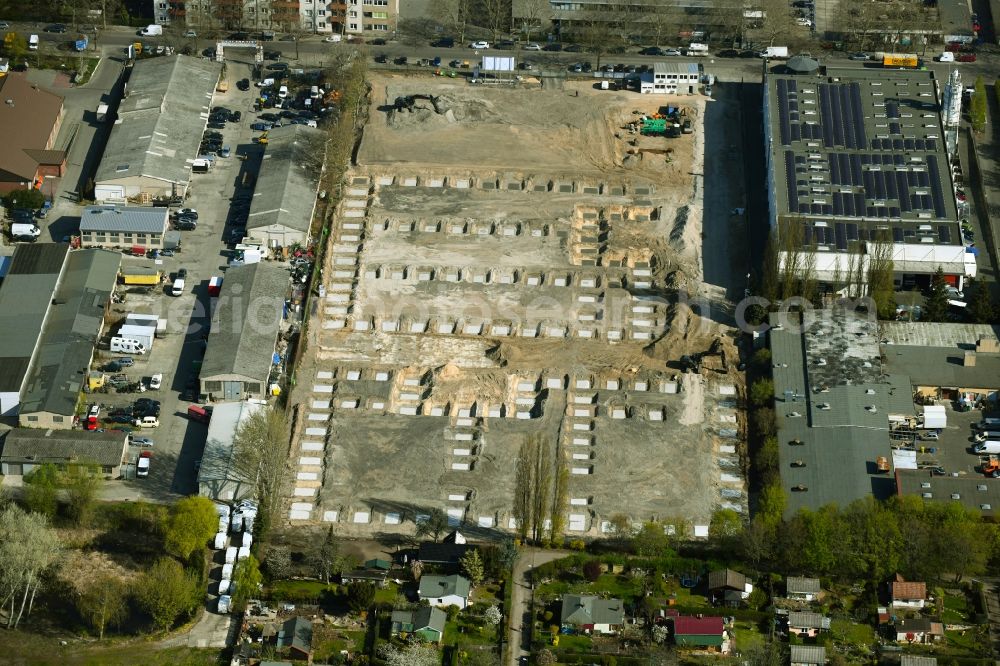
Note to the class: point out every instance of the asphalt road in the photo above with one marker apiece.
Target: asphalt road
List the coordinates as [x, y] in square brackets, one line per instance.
[520, 622]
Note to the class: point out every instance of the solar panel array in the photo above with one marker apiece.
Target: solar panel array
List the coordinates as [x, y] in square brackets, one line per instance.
[835, 169]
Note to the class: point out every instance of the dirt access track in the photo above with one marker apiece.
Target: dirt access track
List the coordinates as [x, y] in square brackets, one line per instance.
[498, 268]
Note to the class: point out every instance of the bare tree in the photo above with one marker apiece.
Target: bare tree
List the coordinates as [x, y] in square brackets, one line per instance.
[453, 14]
[260, 453]
[880, 268]
[497, 16]
[104, 602]
[779, 21]
[28, 546]
[531, 16]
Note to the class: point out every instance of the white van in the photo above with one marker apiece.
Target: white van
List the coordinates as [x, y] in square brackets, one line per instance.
[33, 42]
[127, 346]
[946, 56]
[177, 288]
[151, 30]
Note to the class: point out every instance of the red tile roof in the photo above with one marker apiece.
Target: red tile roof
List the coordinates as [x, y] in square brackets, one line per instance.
[698, 626]
[909, 590]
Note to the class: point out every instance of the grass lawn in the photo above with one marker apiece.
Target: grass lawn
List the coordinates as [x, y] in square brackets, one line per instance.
[852, 633]
[468, 631]
[329, 641]
[386, 595]
[43, 651]
[956, 609]
[686, 598]
[297, 589]
[608, 585]
[746, 635]
[575, 643]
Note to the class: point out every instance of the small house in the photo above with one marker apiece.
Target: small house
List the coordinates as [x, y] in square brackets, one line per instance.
[296, 634]
[374, 571]
[907, 594]
[808, 655]
[444, 591]
[427, 622]
[807, 624]
[802, 589]
[921, 630]
[447, 553]
[700, 632]
[728, 587]
[591, 614]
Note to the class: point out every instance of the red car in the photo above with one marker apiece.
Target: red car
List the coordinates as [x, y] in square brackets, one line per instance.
[966, 57]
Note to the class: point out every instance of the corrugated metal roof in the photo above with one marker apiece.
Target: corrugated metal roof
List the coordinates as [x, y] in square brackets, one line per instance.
[160, 122]
[808, 654]
[35, 444]
[243, 341]
[285, 193]
[126, 219]
[217, 460]
[675, 68]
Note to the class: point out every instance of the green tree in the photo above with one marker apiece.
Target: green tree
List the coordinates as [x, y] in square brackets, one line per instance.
[246, 581]
[757, 599]
[41, 490]
[167, 592]
[81, 493]
[328, 559]
[472, 566]
[260, 451]
[524, 482]
[360, 596]
[725, 525]
[434, 525]
[762, 392]
[278, 561]
[541, 490]
[507, 554]
[981, 307]
[28, 198]
[560, 501]
[651, 540]
[104, 602]
[193, 520]
[760, 362]
[936, 303]
[763, 422]
[771, 505]
[880, 281]
[766, 460]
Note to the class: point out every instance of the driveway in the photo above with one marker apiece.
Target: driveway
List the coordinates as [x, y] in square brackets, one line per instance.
[520, 622]
[210, 631]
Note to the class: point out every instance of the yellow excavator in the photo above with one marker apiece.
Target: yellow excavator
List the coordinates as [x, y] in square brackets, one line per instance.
[262, 139]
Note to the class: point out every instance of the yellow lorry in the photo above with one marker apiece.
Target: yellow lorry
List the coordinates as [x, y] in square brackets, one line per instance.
[900, 60]
[140, 275]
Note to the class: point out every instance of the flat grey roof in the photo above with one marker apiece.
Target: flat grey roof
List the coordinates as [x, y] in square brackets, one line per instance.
[808, 654]
[134, 219]
[161, 120]
[39, 446]
[217, 460]
[943, 366]
[285, 193]
[66, 345]
[840, 417]
[246, 322]
[24, 301]
[661, 67]
[856, 150]
[974, 492]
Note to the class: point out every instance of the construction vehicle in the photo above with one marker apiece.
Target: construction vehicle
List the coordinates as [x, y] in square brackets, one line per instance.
[262, 139]
[139, 275]
[882, 465]
[991, 467]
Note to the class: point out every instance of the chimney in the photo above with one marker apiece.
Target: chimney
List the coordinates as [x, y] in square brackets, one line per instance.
[988, 345]
[969, 361]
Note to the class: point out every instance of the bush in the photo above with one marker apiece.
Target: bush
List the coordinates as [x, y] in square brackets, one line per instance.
[24, 199]
[577, 544]
[592, 570]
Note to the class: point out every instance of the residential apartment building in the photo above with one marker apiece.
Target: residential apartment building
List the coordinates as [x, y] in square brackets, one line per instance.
[374, 17]
[319, 16]
[664, 22]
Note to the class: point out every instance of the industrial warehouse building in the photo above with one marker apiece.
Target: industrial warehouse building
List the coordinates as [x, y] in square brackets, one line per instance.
[285, 195]
[24, 449]
[52, 307]
[31, 118]
[244, 333]
[218, 476]
[158, 131]
[856, 162]
[124, 226]
[845, 391]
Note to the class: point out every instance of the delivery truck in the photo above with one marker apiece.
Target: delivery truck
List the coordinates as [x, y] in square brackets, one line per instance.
[775, 52]
[905, 60]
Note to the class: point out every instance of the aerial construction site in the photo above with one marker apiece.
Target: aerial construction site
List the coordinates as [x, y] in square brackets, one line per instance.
[515, 261]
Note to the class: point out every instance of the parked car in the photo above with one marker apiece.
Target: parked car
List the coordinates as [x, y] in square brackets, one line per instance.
[260, 127]
[554, 46]
[966, 57]
[671, 52]
[479, 45]
[56, 27]
[142, 465]
[443, 43]
[573, 48]
[243, 84]
[190, 34]
[532, 46]
[728, 53]
[187, 212]
[144, 442]
[156, 381]
[651, 51]
[378, 42]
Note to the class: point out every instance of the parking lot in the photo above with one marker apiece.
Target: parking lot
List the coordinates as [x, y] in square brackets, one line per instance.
[222, 198]
[950, 450]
